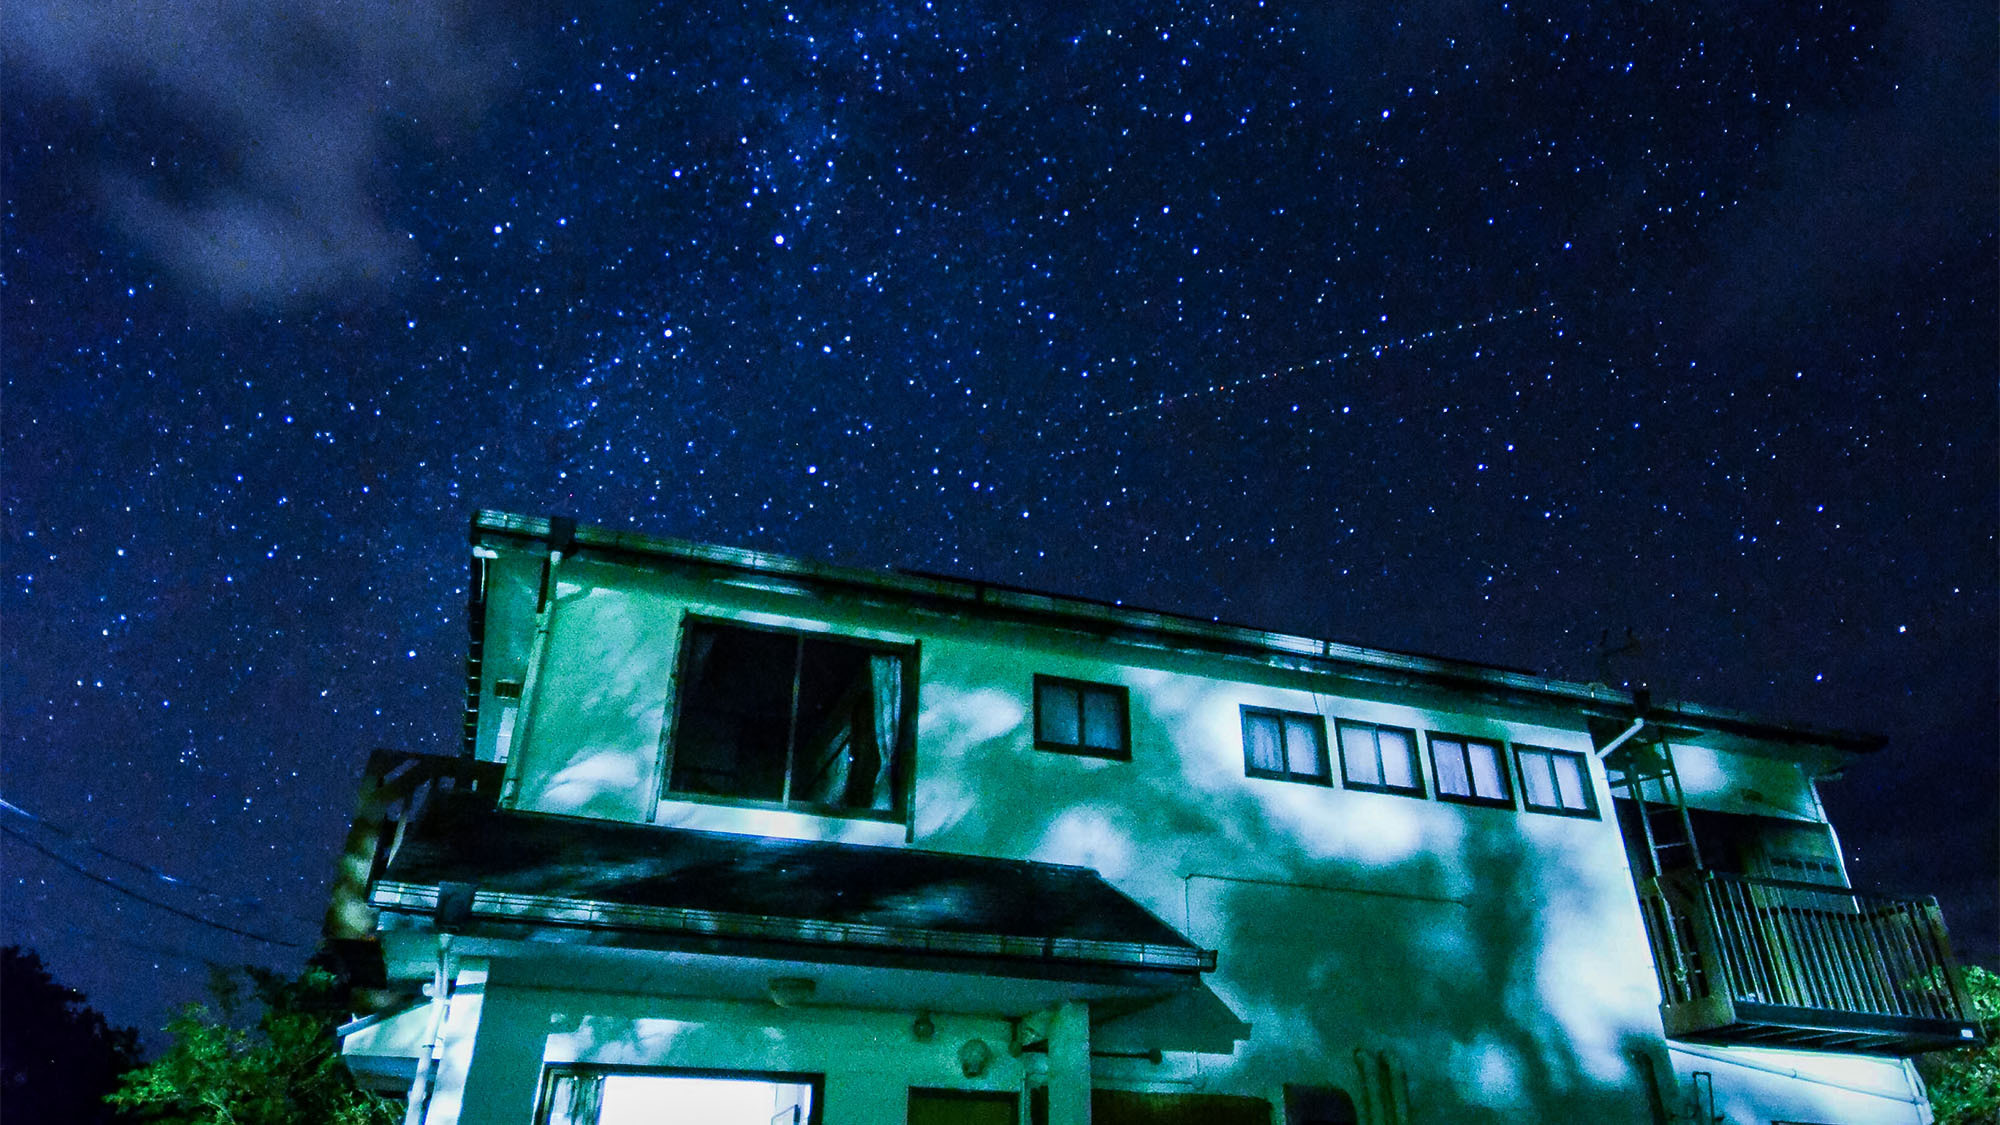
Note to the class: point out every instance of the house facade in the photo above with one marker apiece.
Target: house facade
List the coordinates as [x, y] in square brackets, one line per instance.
[737, 838]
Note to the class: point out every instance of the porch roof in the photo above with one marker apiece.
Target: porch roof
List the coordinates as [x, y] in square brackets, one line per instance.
[469, 866]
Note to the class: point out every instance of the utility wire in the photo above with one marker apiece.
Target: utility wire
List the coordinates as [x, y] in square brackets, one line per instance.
[172, 880]
[125, 890]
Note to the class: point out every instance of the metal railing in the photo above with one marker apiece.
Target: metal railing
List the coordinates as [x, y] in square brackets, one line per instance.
[1801, 945]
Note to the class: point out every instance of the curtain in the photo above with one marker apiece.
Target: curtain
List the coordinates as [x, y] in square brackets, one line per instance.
[700, 642]
[1262, 738]
[886, 678]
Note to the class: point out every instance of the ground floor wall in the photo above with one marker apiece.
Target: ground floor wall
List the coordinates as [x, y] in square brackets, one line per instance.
[491, 1073]
[499, 1041]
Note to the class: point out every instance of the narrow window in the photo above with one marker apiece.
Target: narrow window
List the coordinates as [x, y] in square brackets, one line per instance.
[798, 719]
[1554, 781]
[1380, 759]
[1075, 717]
[1284, 745]
[1470, 770]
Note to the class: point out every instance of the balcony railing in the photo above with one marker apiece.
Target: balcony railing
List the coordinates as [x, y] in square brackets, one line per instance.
[1799, 964]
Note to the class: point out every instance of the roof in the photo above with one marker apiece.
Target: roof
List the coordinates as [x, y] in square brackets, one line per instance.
[521, 867]
[979, 598]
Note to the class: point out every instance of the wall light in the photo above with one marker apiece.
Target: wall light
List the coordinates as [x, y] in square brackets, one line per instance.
[974, 1057]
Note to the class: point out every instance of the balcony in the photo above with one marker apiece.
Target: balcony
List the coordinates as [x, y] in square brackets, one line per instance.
[1764, 961]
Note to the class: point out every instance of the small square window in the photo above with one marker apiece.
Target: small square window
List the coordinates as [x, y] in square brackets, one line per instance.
[1381, 759]
[1554, 781]
[1470, 770]
[1075, 717]
[1285, 745]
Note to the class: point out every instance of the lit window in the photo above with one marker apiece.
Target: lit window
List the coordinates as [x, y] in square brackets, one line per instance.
[580, 1095]
[1284, 745]
[1554, 781]
[1081, 718]
[1382, 759]
[797, 719]
[1471, 770]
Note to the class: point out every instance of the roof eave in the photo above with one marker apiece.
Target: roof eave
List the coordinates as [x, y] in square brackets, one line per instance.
[1594, 700]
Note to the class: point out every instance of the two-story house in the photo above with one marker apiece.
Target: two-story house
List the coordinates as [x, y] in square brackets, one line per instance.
[736, 838]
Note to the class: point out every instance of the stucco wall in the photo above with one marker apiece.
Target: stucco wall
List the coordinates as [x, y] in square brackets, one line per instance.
[1490, 960]
[869, 1059]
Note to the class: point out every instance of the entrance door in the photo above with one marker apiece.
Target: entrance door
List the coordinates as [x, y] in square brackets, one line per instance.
[963, 1107]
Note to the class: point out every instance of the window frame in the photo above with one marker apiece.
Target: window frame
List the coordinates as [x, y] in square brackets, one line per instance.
[1080, 748]
[901, 774]
[1465, 741]
[1590, 811]
[1318, 723]
[1419, 790]
[552, 1071]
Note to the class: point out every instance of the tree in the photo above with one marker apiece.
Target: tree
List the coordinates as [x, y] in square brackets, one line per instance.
[281, 1067]
[58, 1056]
[1965, 1083]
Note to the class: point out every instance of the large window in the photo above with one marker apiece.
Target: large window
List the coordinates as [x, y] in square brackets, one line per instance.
[797, 719]
[1285, 745]
[594, 1095]
[1554, 781]
[1470, 770]
[1382, 759]
[1081, 718]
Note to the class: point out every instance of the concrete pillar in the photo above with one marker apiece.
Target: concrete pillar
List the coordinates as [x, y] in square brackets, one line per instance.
[504, 1073]
[1069, 1064]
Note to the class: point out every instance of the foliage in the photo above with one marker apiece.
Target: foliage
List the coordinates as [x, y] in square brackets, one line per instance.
[280, 1068]
[1965, 1084]
[58, 1056]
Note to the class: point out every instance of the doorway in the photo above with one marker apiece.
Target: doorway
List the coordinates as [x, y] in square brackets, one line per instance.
[963, 1107]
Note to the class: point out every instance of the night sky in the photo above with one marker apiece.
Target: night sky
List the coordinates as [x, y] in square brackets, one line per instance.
[1486, 330]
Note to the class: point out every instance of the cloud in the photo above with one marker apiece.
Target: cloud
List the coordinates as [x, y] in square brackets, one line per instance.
[246, 143]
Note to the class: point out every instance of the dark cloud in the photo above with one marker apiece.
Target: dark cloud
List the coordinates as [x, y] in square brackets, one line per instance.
[248, 142]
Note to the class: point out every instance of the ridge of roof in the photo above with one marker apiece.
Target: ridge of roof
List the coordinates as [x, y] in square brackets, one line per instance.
[1594, 699]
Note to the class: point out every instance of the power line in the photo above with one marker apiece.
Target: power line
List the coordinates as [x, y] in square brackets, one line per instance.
[153, 902]
[172, 880]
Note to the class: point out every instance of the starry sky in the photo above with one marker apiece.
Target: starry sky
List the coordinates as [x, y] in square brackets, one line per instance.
[1500, 331]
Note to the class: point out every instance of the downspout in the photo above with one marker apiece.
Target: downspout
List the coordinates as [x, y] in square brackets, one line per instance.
[426, 1080]
[562, 534]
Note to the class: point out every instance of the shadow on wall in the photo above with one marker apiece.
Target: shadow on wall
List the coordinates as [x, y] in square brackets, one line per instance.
[601, 697]
[1466, 963]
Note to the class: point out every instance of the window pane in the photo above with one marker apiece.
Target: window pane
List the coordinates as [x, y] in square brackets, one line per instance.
[1487, 779]
[734, 731]
[1357, 755]
[1399, 759]
[835, 758]
[1569, 781]
[1056, 714]
[1538, 785]
[1261, 745]
[634, 1099]
[1302, 751]
[1448, 755]
[1104, 720]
